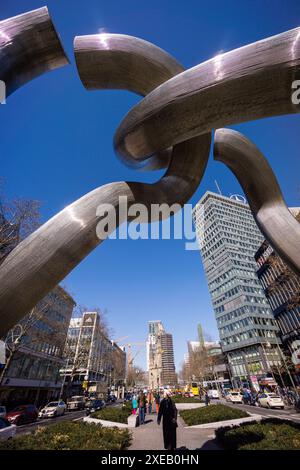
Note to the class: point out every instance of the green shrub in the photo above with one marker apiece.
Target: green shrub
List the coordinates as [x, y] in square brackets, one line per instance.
[186, 400]
[211, 414]
[270, 434]
[116, 414]
[71, 436]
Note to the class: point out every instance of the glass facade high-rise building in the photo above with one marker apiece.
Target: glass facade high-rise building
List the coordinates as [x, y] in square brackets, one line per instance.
[228, 237]
[160, 356]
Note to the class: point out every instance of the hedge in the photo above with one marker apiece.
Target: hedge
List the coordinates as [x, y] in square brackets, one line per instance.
[269, 434]
[186, 400]
[211, 414]
[71, 436]
[116, 414]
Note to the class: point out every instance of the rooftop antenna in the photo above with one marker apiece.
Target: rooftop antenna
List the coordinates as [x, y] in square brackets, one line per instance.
[218, 188]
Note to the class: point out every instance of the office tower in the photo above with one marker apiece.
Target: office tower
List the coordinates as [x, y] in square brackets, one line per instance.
[282, 289]
[160, 358]
[228, 238]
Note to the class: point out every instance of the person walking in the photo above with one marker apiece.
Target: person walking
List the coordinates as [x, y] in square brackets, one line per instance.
[168, 413]
[141, 407]
[206, 398]
[134, 404]
[157, 402]
[150, 401]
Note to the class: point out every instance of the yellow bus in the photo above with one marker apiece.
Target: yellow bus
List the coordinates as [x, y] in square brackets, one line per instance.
[194, 389]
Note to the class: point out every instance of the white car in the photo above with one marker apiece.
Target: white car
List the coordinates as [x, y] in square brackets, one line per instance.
[234, 397]
[213, 394]
[2, 411]
[7, 430]
[53, 409]
[270, 400]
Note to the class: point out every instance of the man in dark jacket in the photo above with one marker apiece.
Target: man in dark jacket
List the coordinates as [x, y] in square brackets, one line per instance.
[168, 411]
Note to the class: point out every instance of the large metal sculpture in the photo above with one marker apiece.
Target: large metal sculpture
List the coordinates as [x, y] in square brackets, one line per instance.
[170, 128]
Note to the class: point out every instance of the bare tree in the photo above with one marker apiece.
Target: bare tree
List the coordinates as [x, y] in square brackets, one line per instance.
[18, 218]
[27, 328]
[135, 376]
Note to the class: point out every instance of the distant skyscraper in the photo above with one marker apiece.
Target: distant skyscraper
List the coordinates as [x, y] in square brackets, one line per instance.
[160, 356]
[228, 237]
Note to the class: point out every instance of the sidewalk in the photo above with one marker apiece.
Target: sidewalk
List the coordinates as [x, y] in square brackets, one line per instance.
[149, 436]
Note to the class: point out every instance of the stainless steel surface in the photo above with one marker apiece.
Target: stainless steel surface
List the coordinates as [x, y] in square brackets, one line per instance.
[169, 128]
[118, 61]
[38, 263]
[260, 185]
[251, 82]
[29, 46]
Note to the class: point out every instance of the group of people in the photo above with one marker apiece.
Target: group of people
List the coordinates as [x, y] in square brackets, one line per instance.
[165, 408]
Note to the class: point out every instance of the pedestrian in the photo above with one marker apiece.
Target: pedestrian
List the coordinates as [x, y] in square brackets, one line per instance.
[141, 407]
[157, 402]
[206, 398]
[150, 401]
[168, 412]
[134, 404]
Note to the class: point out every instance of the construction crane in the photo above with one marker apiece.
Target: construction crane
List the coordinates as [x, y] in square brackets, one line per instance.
[114, 341]
[130, 359]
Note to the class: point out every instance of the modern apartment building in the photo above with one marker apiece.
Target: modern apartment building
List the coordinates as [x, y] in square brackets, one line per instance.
[160, 356]
[37, 345]
[282, 289]
[228, 239]
[89, 357]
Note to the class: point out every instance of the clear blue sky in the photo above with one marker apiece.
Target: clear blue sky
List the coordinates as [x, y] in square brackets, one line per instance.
[56, 145]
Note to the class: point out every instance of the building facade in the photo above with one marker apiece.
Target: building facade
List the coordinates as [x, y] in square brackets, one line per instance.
[160, 356]
[282, 289]
[88, 357]
[228, 238]
[34, 350]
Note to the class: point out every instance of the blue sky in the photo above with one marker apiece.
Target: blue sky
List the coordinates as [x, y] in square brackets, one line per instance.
[56, 145]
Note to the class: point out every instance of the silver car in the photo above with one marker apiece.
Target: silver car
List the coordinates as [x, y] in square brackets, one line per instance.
[53, 409]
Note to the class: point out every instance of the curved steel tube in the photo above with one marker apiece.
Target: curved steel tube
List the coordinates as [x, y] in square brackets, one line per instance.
[119, 61]
[260, 185]
[51, 252]
[248, 83]
[231, 88]
[29, 46]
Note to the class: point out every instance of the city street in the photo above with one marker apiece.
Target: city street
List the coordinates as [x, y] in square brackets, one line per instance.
[288, 413]
[68, 416]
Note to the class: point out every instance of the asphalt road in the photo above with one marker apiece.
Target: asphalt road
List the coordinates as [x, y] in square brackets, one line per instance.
[68, 416]
[287, 413]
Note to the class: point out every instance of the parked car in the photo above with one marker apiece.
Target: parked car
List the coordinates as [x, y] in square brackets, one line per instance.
[53, 409]
[76, 403]
[2, 411]
[213, 394]
[128, 396]
[23, 414]
[111, 399]
[234, 397]
[94, 405]
[188, 394]
[270, 400]
[7, 430]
